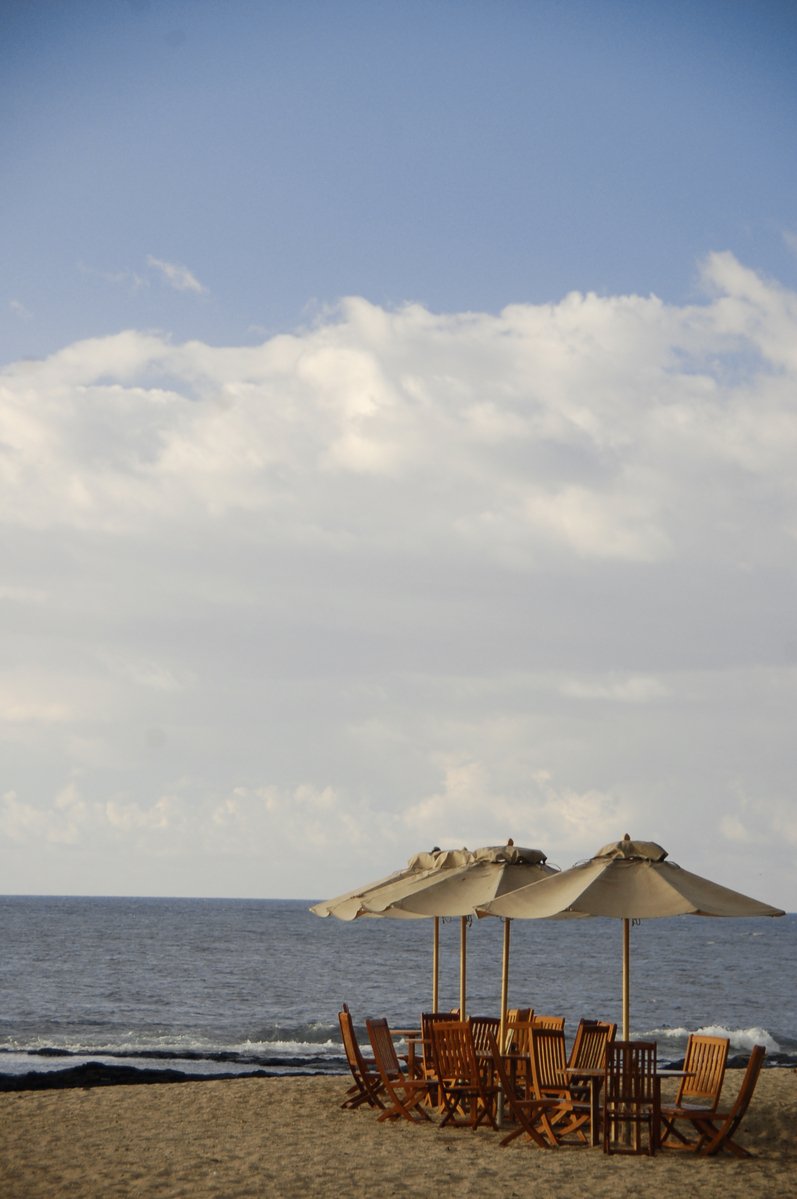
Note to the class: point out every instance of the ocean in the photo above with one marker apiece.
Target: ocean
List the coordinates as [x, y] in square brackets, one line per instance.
[209, 987]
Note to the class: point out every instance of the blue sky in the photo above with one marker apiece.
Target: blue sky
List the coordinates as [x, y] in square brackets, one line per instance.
[397, 440]
[462, 155]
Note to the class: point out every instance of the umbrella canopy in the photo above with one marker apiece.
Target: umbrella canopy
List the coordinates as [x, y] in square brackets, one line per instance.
[444, 883]
[374, 899]
[630, 880]
[491, 871]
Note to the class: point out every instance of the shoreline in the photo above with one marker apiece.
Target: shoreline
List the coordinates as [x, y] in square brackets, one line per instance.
[287, 1137]
[95, 1073]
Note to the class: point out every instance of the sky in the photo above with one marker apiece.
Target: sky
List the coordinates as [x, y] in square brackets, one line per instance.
[398, 427]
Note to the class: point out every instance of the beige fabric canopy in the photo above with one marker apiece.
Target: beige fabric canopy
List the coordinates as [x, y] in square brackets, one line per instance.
[492, 871]
[373, 899]
[445, 883]
[462, 888]
[629, 880]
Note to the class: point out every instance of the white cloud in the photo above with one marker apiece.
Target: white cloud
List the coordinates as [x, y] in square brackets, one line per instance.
[21, 310]
[175, 275]
[401, 578]
[636, 689]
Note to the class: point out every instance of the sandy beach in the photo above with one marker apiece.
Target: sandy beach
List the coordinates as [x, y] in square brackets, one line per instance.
[242, 1138]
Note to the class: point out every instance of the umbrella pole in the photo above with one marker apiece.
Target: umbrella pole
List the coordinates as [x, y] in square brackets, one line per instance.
[463, 964]
[504, 984]
[436, 964]
[626, 978]
[502, 1037]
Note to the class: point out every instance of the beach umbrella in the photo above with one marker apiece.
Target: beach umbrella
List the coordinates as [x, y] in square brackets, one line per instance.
[445, 884]
[490, 872]
[629, 880]
[374, 899]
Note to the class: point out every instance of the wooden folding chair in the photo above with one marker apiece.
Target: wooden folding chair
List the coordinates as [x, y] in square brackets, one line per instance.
[716, 1130]
[427, 1062]
[549, 1081]
[467, 1090]
[523, 1110]
[405, 1093]
[588, 1053]
[367, 1086]
[699, 1091]
[630, 1098]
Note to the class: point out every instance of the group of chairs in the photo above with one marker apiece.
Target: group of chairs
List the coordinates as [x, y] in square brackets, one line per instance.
[602, 1091]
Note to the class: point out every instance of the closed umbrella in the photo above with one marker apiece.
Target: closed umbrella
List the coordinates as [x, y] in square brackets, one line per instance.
[630, 880]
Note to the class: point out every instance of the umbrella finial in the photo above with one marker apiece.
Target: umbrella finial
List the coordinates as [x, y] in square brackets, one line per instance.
[627, 837]
[510, 841]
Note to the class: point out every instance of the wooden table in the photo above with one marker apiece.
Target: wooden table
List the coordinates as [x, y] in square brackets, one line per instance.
[594, 1080]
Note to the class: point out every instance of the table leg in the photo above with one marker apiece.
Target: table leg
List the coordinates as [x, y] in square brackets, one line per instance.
[594, 1111]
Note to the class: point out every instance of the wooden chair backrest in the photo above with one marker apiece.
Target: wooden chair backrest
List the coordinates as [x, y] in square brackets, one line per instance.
[589, 1046]
[351, 1045]
[557, 1022]
[514, 1016]
[384, 1050]
[517, 1035]
[453, 1050]
[480, 1026]
[630, 1073]
[518, 1013]
[706, 1058]
[427, 1020]
[548, 1055]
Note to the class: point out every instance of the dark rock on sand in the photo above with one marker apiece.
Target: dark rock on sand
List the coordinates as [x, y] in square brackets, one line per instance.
[97, 1074]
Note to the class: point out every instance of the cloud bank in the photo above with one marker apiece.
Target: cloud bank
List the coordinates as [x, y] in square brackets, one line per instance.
[276, 616]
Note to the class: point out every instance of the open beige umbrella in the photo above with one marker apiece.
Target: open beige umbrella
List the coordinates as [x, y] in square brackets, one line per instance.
[492, 871]
[630, 880]
[446, 883]
[374, 899]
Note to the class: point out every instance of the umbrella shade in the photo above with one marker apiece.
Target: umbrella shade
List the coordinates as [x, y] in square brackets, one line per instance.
[492, 871]
[630, 880]
[462, 889]
[444, 883]
[374, 899]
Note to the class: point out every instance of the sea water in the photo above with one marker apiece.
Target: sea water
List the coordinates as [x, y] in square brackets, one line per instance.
[209, 986]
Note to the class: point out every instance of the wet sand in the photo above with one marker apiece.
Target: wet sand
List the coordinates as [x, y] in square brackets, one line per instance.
[288, 1137]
